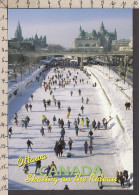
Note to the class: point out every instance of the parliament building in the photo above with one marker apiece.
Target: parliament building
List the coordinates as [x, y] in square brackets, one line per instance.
[94, 41]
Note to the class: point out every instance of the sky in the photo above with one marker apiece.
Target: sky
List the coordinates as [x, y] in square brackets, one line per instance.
[61, 26]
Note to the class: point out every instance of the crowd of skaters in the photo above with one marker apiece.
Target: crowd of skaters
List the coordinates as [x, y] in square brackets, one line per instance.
[80, 121]
[50, 87]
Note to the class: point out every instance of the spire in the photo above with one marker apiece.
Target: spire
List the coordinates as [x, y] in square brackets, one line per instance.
[36, 37]
[115, 34]
[18, 33]
[80, 31]
[102, 26]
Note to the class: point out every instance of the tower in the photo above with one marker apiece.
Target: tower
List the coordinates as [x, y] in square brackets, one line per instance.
[115, 34]
[80, 32]
[102, 28]
[18, 33]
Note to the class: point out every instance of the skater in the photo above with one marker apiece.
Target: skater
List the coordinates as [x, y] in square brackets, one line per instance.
[90, 148]
[29, 143]
[42, 119]
[78, 120]
[76, 130]
[91, 139]
[31, 97]
[26, 169]
[52, 165]
[79, 91]
[82, 122]
[26, 123]
[127, 105]
[118, 177]
[60, 149]
[61, 123]
[122, 179]
[94, 124]
[68, 113]
[28, 119]
[71, 93]
[70, 143]
[105, 123]
[16, 122]
[69, 109]
[86, 147]
[82, 109]
[125, 174]
[66, 187]
[56, 148]
[82, 99]
[69, 124]
[54, 120]
[90, 133]
[26, 106]
[100, 183]
[62, 132]
[44, 101]
[42, 131]
[55, 101]
[49, 128]
[22, 123]
[15, 115]
[38, 165]
[59, 104]
[53, 96]
[10, 131]
[62, 142]
[30, 106]
[45, 106]
[75, 122]
[98, 125]
[87, 122]
[87, 100]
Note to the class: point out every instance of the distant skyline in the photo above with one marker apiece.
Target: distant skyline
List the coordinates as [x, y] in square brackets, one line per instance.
[61, 26]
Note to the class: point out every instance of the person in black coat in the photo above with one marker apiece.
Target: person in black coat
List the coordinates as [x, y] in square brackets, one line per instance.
[60, 149]
[66, 187]
[29, 143]
[122, 180]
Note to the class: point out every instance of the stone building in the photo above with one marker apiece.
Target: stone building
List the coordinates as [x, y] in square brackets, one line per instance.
[94, 41]
[116, 44]
[128, 47]
[34, 41]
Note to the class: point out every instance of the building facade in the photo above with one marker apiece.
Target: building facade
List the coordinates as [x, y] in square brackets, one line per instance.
[33, 41]
[100, 40]
[116, 44]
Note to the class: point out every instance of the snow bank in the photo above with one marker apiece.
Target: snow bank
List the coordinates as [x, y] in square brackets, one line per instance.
[21, 85]
[116, 100]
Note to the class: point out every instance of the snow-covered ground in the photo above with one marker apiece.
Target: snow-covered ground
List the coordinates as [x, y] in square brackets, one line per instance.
[21, 84]
[112, 148]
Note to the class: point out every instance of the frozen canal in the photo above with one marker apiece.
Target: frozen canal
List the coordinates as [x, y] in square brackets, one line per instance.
[105, 149]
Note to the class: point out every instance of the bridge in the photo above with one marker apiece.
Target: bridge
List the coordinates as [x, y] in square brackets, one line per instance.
[77, 54]
[116, 57]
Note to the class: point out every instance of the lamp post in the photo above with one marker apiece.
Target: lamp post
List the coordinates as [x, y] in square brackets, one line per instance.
[125, 68]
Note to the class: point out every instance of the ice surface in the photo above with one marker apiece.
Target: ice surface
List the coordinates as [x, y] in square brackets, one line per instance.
[112, 148]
